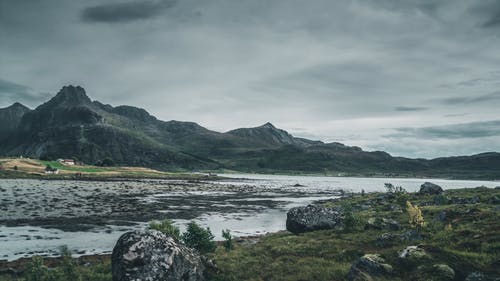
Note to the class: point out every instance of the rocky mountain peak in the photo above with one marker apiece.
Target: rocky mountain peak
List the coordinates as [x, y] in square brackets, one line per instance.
[72, 95]
[19, 106]
[268, 125]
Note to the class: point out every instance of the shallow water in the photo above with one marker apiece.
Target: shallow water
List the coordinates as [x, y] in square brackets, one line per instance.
[38, 217]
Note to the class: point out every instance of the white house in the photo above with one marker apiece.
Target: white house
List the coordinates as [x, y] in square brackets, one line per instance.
[69, 162]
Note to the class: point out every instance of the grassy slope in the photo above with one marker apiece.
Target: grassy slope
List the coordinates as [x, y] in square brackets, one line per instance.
[467, 240]
[32, 168]
[472, 244]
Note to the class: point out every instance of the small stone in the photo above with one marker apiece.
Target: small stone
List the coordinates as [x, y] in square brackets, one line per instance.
[440, 217]
[368, 266]
[383, 223]
[413, 252]
[387, 239]
[477, 276]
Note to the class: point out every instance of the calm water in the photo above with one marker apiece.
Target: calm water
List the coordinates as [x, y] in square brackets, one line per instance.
[254, 205]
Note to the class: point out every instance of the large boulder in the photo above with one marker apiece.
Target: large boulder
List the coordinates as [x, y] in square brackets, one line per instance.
[152, 255]
[430, 188]
[311, 217]
[369, 266]
[443, 272]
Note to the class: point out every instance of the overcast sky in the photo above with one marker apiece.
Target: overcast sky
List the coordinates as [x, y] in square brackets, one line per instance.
[415, 78]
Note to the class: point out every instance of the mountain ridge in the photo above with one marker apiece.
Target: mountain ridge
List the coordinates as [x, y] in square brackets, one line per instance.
[72, 125]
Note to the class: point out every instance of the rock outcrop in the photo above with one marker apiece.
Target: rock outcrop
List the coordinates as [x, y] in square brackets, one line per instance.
[154, 256]
[430, 188]
[413, 252]
[310, 218]
[369, 266]
[383, 223]
[443, 272]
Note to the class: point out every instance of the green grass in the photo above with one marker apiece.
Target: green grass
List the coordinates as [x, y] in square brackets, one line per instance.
[471, 244]
[83, 169]
[467, 240]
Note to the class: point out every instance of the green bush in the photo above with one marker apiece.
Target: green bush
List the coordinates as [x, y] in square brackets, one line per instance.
[68, 265]
[441, 199]
[228, 244]
[167, 227]
[199, 238]
[67, 270]
[352, 221]
[35, 270]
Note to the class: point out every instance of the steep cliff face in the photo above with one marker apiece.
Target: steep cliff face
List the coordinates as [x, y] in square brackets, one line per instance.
[10, 118]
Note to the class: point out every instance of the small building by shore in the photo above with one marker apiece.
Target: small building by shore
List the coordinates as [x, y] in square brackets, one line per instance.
[51, 171]
[68, 162]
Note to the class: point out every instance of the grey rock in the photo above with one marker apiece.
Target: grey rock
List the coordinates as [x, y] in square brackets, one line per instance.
[152, 255]
[383, 223]
[396, 209]
[413, 253]
[497, 187]
[365, 206]
[495, 200]
[388, 239]
[369, 266]
[440, 217]
[430, 188]
[441, 199]
[478, 276]
[310, 218]
[458, 200]
[443, 272]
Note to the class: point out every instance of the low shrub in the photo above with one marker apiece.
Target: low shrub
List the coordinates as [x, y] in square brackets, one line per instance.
[199, 238]
[166, 226]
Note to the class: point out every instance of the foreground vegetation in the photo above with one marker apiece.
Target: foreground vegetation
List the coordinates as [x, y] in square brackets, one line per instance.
[459, 228]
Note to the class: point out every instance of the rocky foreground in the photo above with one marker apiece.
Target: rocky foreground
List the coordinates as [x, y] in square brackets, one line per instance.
[444, 235]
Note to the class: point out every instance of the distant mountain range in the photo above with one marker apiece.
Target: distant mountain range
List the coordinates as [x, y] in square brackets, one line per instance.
[71, 125]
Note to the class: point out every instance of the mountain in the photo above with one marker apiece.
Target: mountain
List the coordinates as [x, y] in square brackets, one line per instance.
[71, 125]
[268, 135]
[10, 117]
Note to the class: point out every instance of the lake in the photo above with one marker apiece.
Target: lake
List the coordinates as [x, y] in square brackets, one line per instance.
[38, 217]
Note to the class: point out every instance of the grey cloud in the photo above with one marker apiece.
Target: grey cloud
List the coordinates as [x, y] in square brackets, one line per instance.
[7, 87]
[410, 108]
[495, 96]
[125, 12]
[333, 68]
[487, 13]
[456, 115]
[11, 92]
[492, 22]
[490, 78]
[454, 131]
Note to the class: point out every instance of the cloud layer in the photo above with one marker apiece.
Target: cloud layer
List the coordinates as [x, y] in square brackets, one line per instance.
[351, 71]
[125, 12]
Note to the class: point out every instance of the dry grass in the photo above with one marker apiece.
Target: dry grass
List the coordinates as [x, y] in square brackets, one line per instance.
[37, 167]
